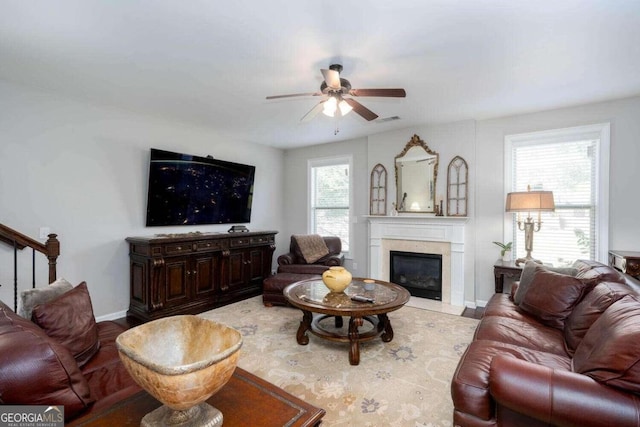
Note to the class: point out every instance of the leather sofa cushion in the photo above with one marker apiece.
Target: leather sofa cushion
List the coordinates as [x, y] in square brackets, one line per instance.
[36, 370]
[308, 269]
[551, 296]
[589, 310]
[470, 383]
[105, 373]
[593, 272]
[502, 305]
[610, 350]
[69, 320]
[520, 332]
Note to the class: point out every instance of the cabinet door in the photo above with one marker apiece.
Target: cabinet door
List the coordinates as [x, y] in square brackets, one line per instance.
[176, 281]
[237, 271]
[255, 266]
[205, 275]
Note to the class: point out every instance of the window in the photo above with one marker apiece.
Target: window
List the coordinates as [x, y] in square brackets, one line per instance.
[330, 194]
[573, 163]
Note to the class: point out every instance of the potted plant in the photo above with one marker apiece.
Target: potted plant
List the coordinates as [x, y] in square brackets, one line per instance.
[505, 250]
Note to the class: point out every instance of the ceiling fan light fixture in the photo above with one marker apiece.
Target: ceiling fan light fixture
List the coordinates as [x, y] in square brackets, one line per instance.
[330, 106]
[344, 107]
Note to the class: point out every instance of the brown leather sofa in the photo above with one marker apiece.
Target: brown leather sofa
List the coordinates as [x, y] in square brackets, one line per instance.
[567, 355]
[83, 371]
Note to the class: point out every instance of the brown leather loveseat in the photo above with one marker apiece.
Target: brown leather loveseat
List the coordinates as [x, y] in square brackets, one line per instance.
[62, 357]
[561, 350]
[295, 262]
[309, 256]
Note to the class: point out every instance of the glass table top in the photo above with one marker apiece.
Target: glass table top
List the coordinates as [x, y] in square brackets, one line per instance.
[314, 291]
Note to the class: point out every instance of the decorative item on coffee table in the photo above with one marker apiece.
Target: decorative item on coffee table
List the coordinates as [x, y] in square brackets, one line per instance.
[336, 279]
[181, 361]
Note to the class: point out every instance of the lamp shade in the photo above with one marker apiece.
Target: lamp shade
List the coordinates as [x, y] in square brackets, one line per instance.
[530, 201]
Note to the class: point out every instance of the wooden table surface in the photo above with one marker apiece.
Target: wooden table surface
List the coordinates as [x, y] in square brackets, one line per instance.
[245, 400]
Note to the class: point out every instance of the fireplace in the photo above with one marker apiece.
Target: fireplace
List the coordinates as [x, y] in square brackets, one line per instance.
[421, 234]
[419, 273]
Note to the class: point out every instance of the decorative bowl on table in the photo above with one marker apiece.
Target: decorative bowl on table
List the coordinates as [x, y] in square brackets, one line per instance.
[181, 361]
[337, 279]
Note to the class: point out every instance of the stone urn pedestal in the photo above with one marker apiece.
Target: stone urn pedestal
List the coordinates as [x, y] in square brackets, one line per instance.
[181, 361]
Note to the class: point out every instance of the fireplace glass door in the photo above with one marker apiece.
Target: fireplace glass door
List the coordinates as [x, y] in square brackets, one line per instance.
[420, 273]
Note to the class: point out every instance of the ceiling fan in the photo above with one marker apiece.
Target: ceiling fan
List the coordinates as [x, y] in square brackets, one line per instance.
[335, 88]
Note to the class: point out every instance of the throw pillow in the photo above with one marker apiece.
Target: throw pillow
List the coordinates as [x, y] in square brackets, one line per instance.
[594, 272]
[589, 310]
[32, 297]
[610, 350]
[525, 280]
[551, 296]
[528, 273]
[312, 247]
[69, 320]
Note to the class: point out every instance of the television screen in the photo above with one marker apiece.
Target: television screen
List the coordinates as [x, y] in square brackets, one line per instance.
[192, 190]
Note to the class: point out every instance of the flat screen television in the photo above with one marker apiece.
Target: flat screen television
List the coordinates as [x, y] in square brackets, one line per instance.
[192, 190]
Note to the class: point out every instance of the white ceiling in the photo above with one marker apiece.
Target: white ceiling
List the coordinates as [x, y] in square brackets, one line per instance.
[213, 63]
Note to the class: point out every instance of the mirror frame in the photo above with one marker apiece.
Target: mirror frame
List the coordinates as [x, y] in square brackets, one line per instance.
[417, 142]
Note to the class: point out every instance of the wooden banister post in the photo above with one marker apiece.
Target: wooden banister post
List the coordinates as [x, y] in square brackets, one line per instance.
[53, 251]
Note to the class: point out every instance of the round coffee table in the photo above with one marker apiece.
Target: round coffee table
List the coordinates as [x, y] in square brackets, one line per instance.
[319, 304]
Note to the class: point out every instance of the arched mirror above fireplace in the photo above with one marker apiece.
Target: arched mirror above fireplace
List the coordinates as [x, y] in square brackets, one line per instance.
[416, 173]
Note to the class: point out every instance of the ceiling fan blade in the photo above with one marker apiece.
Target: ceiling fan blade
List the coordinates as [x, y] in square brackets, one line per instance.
[361, 109]
[393, 93]
[294, 94]
[332, 79]
[313, 112]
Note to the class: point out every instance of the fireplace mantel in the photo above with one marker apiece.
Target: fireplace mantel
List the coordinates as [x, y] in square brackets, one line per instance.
[424, 228]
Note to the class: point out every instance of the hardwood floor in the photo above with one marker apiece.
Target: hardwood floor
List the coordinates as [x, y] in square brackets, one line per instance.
[473, 313]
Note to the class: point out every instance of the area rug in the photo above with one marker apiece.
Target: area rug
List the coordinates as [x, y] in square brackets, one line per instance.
[404, 382]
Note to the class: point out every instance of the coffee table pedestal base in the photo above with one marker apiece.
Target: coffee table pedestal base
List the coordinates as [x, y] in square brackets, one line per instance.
[380, 327]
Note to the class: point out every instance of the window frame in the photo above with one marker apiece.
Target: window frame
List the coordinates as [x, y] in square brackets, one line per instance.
[601, 131]
[330, 161]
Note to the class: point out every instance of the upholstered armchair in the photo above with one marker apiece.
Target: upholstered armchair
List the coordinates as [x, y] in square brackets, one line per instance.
[311, 254]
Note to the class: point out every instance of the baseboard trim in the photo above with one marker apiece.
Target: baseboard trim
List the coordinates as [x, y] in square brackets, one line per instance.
[112, 316]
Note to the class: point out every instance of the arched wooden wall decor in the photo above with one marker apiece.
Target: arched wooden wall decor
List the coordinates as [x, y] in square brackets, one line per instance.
[378, 194]
[457, 187]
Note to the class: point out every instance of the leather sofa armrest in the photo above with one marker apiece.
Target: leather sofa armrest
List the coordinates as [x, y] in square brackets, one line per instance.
[334, 260]
[559, 397]
[286, 259]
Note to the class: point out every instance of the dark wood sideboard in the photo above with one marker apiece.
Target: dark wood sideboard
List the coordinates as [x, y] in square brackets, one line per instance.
[188, 273]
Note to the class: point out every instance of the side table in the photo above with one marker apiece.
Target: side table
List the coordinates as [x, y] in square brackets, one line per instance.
[505, 268]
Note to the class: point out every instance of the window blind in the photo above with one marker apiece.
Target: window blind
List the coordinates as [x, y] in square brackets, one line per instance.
[330, 202]
[568, 168]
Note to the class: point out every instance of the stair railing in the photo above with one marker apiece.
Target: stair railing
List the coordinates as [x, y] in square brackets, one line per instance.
[51, 249]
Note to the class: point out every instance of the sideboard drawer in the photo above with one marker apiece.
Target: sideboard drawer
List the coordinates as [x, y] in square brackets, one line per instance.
[177, 248]
[211, 245]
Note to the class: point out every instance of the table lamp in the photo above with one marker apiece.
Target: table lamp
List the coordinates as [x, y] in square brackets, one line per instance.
[529, 201]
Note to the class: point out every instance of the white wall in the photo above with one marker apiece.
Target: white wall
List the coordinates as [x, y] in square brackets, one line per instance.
[82, 171]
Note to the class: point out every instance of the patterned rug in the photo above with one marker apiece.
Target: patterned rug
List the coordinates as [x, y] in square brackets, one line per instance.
[404, 382]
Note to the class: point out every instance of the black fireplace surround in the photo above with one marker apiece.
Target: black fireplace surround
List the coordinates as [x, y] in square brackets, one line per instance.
[419, 273]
